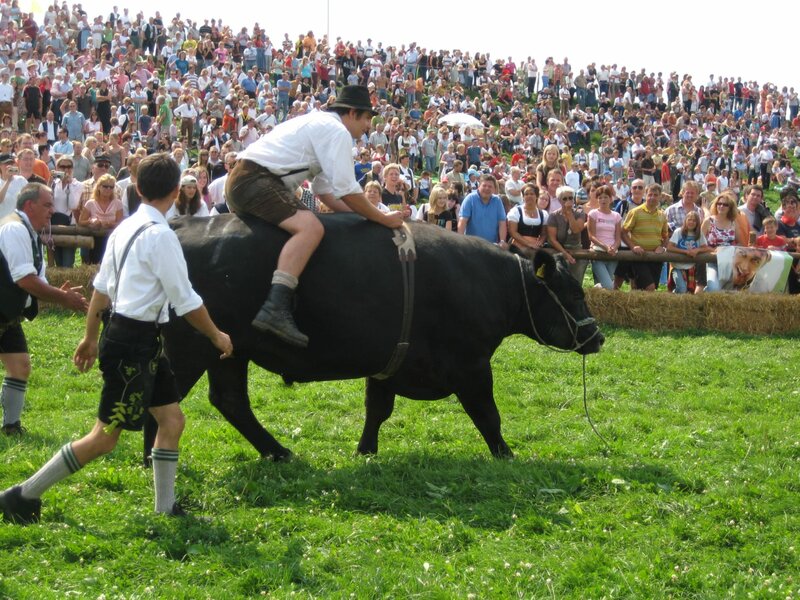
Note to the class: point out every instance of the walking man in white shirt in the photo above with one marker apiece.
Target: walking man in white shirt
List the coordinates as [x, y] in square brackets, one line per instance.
[23, 284]
[142, 274]
[317, 147]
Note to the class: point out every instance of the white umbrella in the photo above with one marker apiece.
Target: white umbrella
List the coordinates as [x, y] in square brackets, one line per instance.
[459, 119]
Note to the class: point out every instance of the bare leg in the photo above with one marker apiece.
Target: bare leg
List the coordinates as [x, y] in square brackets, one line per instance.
[307, 232]
[96, 443]
[275, 316]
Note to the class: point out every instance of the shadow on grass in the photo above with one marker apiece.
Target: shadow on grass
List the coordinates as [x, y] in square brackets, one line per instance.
[483, 492]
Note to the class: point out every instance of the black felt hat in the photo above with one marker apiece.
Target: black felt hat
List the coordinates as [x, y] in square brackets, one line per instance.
[354, 96]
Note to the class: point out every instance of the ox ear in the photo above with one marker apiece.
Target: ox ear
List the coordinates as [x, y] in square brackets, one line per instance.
[544, 266]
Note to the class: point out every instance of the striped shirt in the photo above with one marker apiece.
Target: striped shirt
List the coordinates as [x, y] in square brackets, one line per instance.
[647, 229]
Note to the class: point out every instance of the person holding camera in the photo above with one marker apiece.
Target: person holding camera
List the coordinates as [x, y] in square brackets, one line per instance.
[11, 182]
[66, 200]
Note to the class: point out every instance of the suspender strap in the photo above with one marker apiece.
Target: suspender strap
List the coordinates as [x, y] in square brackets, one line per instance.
[36, 246]
[118, 270]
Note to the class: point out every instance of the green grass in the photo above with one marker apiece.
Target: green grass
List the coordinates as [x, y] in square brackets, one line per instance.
[696, 497]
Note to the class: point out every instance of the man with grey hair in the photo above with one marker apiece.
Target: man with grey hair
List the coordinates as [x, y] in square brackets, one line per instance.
[23, 283]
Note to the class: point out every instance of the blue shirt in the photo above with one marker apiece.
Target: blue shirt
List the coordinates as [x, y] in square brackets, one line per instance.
[73, 123]
[249, 85]
[64, 147]
[484, 218]
[283, 88]
[474, 155]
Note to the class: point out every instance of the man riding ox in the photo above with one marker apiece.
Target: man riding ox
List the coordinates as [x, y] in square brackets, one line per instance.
[317, 147]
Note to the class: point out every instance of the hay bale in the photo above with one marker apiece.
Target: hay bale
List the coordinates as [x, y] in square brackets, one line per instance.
[82, 275]
[752, 313]
[724, 312]
[645, 310]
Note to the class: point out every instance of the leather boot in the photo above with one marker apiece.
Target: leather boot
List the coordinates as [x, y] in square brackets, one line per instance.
[275, 316]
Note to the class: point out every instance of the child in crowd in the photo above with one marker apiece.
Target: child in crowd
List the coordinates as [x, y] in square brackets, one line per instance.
[688, 239]
[424, 185]
[770, 238]
[472, 180]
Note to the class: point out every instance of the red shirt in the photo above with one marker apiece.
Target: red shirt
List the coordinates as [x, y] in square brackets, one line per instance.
[777, 243]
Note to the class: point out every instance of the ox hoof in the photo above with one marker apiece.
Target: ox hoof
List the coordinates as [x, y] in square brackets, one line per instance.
[503, 452]
[282, 455]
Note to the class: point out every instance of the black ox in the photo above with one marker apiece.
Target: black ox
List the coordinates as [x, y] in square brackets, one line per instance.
[468, 297]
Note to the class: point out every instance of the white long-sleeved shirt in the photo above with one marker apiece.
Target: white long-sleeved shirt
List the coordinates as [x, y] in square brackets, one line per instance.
[154, 275]
[319, 144]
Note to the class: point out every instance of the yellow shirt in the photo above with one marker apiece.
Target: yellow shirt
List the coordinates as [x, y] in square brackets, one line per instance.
[647, 229]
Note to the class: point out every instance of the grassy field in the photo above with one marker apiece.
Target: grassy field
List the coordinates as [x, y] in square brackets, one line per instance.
[697, 496]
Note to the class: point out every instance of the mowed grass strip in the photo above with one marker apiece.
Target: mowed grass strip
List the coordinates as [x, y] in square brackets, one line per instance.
[696, 496]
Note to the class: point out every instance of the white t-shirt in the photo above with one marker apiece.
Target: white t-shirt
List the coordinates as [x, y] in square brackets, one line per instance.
[202, 211]
[514, 190]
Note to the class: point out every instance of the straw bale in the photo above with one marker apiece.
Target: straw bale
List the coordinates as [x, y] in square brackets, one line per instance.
[724, 312]
[82, 275]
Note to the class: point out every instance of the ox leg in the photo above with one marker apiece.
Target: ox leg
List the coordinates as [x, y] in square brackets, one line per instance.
[149, 438]
[477, 398]
[227, 383]
[379, 403]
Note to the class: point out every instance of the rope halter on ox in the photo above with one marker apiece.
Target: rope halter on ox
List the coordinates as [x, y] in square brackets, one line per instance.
[574, 327]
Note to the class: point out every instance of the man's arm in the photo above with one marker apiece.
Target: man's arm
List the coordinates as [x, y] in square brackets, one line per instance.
[66, 296]
[502, 230]
[358, 203]
[86, 352]
[626, 237]
[201, 320]
[462, 225]
[333, 203]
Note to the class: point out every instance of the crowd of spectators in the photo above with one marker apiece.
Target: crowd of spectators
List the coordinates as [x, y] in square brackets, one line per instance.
[83, 98]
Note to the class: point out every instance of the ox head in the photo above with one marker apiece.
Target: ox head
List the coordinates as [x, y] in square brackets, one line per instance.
[558, 308]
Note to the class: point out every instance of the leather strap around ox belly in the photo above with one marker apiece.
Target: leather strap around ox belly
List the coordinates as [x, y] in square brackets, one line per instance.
[407, 253]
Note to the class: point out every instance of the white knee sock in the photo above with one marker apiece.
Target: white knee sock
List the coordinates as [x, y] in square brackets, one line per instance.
[62, 465]
[165, 466]
[12, 396]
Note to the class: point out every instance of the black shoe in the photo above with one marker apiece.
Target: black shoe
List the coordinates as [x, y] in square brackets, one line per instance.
[14, 429]
[17, 509]
[275, 317]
